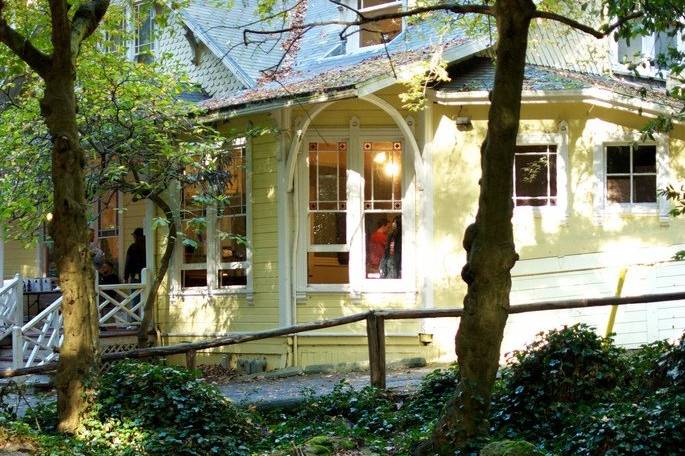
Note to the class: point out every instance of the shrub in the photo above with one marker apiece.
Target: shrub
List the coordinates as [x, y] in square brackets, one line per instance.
[183, 414]
[561, 372]
[652, 427]
[669, 369]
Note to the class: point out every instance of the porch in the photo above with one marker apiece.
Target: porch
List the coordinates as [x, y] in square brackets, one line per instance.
[31, 329]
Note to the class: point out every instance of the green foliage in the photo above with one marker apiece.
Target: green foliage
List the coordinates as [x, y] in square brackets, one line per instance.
[187, 415]
[650, 427]
[561, 370]
[510, 448]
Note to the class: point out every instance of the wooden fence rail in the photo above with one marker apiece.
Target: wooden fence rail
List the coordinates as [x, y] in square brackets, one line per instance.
[375, 329]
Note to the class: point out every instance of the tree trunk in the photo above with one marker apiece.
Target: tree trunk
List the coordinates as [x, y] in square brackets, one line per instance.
[79, 356]
[489, 243]
[151, 297]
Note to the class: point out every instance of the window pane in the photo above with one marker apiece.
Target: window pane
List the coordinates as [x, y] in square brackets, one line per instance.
[328, 267]
[645, 189]
[618, 159]
[618, 189]
[383, 245]
[110, 247]
[379, 32]
[195, 244]
[144, 22]
[327, 175]
[328, 228]
[531, 175]
[383, 175]
[232, 235]
[629, 50]
[644, 159]
[108, 215]
[194, 278]
[232, 277]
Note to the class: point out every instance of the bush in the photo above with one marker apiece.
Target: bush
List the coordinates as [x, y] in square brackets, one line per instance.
[183, 414]
[669, 370]
[653, 427]
[561, 372]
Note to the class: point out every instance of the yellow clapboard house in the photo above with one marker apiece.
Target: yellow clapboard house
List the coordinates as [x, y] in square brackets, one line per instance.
[355, 202]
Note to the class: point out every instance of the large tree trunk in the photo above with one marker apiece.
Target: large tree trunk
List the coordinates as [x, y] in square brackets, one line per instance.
[151, 297]
[489, 243]
[79, 356]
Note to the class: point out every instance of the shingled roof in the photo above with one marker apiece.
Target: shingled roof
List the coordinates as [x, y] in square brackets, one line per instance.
[317, 64]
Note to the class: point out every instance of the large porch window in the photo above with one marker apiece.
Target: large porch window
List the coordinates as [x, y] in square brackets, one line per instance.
[215, 252]
[328, 254]
[355, 194]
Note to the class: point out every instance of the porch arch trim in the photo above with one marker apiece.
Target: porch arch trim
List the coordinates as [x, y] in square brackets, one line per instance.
[386, 107]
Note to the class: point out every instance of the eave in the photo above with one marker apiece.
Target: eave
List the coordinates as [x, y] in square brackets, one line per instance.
[592, 96]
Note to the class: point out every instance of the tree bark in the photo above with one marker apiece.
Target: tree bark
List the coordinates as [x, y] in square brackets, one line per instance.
[489, 244]
[146, 324]
[79, 356]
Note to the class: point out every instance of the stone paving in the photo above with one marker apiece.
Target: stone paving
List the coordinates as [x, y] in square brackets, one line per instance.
[264, 390]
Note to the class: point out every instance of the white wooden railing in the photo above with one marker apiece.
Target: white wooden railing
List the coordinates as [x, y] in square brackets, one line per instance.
[37, 341]
[11, 309]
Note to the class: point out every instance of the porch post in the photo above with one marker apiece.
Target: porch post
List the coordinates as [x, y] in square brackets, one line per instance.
[149, 237]
[18, 317]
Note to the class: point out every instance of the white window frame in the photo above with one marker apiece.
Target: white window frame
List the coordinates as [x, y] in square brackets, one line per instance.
[132, 25]
[213, 265]
[353, 40]
[560, 140]
[602, 207]
[356, 238]
[647, 44]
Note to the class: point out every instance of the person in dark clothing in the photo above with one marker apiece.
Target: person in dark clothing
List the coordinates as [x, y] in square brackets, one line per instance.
[391, 264]
[108, 275]
[135, 258]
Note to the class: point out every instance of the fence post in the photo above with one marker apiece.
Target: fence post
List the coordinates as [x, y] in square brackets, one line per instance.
[191, 361]
[375, 331]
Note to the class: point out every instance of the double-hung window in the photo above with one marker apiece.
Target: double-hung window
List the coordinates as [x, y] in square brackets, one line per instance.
[328, 254]
[535, 175]
[215, 253]
[631, 173]
[355, 194]
[144, 31]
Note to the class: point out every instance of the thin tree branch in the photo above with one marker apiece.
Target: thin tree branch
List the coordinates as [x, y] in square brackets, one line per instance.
[450, 7]
[597, 33]
[22, 46]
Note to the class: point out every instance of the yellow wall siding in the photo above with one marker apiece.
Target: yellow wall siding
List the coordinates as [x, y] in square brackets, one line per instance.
[196, 314]
[543, 240]
[21, 259]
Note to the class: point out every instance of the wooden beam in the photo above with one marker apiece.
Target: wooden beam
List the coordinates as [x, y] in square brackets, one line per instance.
[155, 352]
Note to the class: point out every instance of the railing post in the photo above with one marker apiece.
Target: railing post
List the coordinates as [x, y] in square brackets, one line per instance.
[18, 317]
[145, 280]
[375, 331]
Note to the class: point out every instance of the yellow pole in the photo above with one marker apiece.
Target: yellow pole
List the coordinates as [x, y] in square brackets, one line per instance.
[614, 308]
